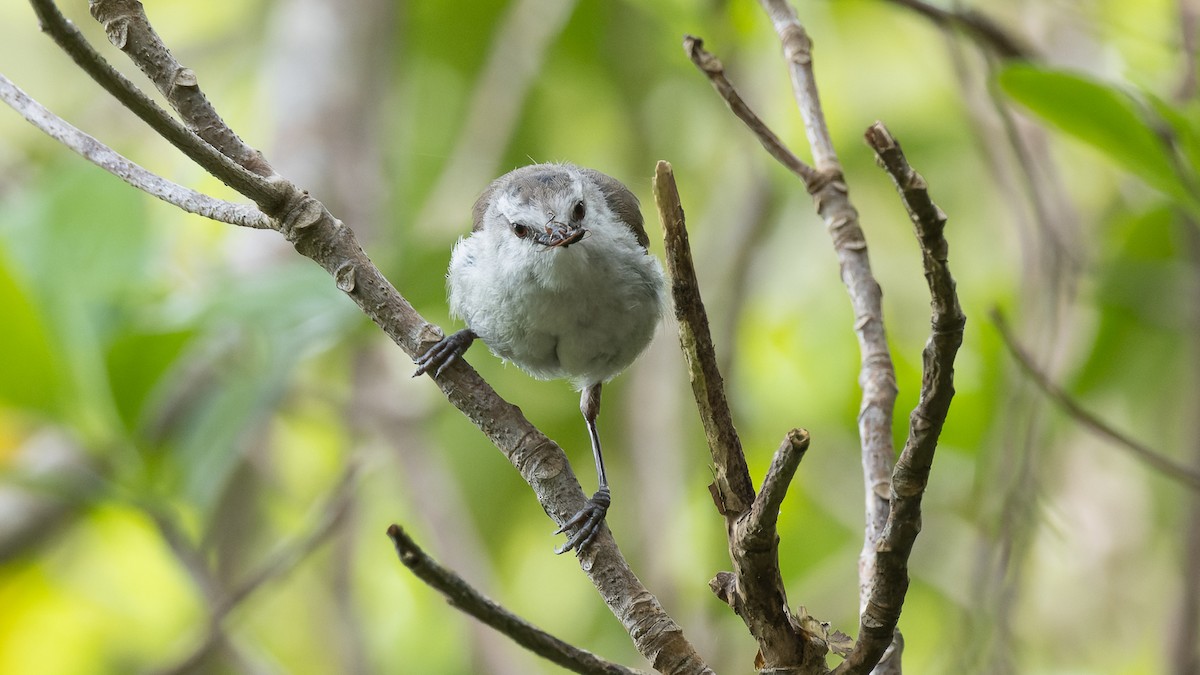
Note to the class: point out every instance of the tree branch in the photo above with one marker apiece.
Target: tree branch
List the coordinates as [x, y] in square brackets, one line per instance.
[129, 30]
[318, 235]
[980, 27]
[877, 627]
[877, 376]
[1156, 460]
[734, 490]
[712, 67]
[755, 589]
[111, 161]
[460, 594]
[759, 595]
[278, 564]
[266, 194]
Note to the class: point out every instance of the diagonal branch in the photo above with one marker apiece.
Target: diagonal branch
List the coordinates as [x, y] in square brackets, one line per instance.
[877, 627]
[877, 377]
[460, 594]
[1156, 460]
[979, 26]
[264, 193]
[111, 161]
[129, 30]
[318, 235]
[785, 640]
[715, 70]
[734, 490]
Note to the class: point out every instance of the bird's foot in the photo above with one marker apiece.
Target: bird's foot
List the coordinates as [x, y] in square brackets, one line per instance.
[589, 519]
[444, 352]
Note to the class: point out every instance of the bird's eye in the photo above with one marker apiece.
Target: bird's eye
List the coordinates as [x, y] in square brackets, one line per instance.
[520, 230]
[578, 212]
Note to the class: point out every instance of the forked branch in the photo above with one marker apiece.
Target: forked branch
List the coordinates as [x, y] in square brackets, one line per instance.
[755, 588]
[890, 583]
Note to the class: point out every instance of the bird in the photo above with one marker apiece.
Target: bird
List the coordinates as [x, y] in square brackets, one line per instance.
[556, 278]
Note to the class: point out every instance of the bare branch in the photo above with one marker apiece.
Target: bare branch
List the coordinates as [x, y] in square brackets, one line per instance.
[877, 628]
[1156, 460]
[221, 600]
[1189, 21]
[734, 490]
[755, 589]
[460, 594]
[877, 377]
[980, 27]
[128, 29]
[797, 52]
[713, 68]
[268, 195]
[111, 161]
[764, 514]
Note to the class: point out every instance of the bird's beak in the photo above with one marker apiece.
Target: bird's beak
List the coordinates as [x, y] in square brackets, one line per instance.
[559, 235]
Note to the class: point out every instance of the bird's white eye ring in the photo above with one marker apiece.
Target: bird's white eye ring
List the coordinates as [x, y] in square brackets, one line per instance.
[579, 211]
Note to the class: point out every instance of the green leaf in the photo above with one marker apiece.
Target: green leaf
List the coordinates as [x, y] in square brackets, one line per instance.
[1101, 115]
[136, 363]
[29, 373]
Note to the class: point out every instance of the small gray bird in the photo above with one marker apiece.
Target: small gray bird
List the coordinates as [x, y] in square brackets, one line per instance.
[555, 277]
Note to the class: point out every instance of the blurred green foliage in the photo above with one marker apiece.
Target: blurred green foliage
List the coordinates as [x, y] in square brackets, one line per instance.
[179, 400]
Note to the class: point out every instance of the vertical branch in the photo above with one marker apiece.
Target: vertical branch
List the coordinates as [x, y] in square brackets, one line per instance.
[1184, 652]
[890, 583]
[734, 491]
[755, 588]
[877, 376]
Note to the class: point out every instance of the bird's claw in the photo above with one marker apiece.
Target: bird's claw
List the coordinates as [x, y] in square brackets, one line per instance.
[443, 353]
[588, 520]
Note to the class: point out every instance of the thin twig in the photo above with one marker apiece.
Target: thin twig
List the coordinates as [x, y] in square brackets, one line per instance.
[980, 27]
[127, 28]
[111, 161]
[266, 194]
[1183, 651]
[763, 516]
[711, 66]
[797, 52]
[1189, 21]
[734, 490]
[277, 565]
[1153, 458]
[755, 590]
[460, 594]
[890, 583]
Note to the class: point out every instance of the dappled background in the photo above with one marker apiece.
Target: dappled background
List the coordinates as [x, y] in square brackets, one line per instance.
[202, 442]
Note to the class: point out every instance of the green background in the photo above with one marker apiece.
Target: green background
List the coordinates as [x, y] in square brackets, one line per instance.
[179, 399]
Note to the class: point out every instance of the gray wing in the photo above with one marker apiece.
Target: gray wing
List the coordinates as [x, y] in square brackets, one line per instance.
[481, 204]
[621, 201]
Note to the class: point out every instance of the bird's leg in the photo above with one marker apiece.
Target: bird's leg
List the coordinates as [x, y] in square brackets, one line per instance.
[591, 516]
[446, 351]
